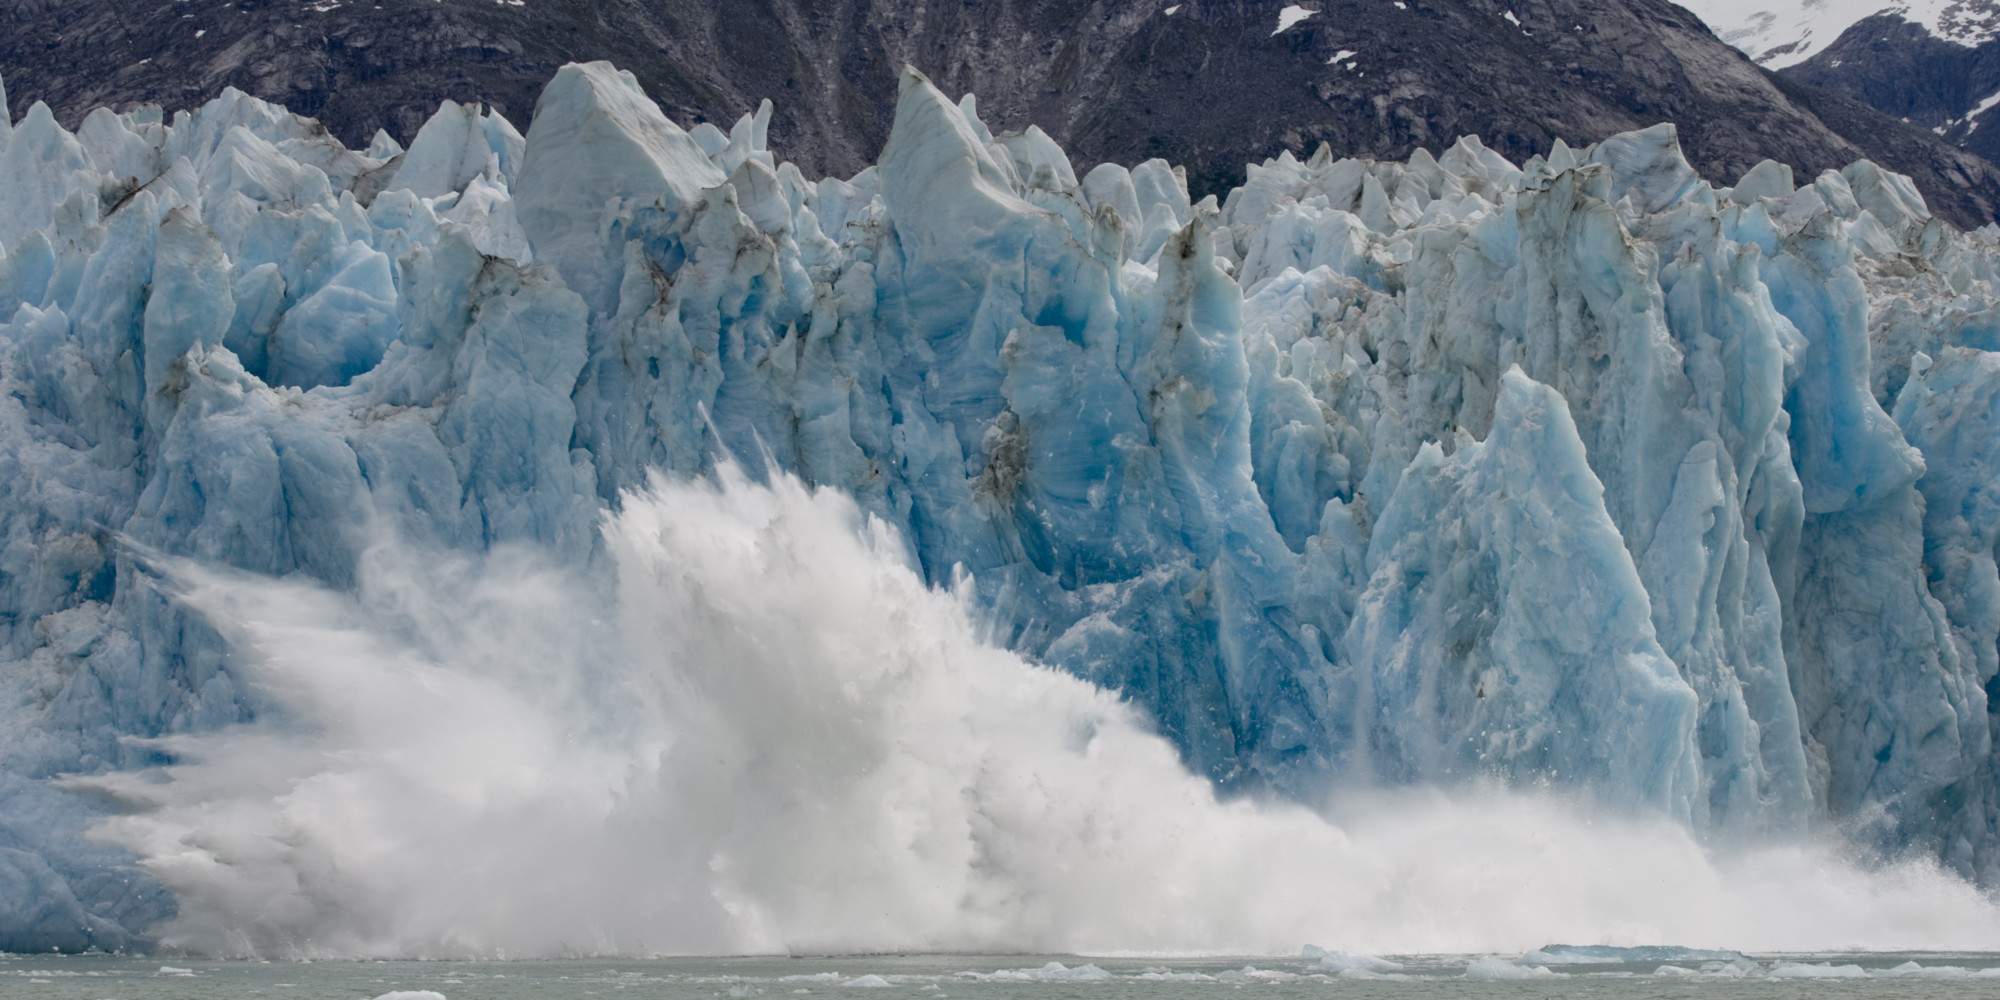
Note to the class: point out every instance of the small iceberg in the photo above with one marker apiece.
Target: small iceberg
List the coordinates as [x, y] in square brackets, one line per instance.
[1824, 970]
[1566, 954]
[1493, 968]
[1340, 963]
[1053, 972]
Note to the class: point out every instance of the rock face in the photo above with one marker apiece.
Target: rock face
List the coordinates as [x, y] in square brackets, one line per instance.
[1903, 69]
[1933, 65]
[1212, 85]
[1780, 34]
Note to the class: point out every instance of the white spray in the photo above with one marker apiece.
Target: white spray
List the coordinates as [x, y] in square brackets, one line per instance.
[782, 740]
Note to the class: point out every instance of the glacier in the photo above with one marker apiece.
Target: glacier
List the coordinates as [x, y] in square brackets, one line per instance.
[1582, 475]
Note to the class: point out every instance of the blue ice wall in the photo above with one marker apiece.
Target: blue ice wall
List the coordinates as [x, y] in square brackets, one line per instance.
[1580, 473]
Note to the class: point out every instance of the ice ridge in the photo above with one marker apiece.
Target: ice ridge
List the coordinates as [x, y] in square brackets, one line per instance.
[1579, 473]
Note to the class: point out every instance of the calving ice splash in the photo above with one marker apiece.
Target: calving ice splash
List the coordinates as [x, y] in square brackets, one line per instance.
[1429, 556]
[818, 753]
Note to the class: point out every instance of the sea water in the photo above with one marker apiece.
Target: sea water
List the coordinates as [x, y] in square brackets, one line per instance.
[990, 977]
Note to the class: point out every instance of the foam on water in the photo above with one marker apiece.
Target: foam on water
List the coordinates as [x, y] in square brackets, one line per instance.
[774, 737]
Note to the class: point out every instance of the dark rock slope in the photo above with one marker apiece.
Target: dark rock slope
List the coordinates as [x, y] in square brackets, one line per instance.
[1211, 85]
[1903, 70]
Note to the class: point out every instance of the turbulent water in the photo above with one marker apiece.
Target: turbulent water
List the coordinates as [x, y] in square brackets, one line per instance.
[608, 541]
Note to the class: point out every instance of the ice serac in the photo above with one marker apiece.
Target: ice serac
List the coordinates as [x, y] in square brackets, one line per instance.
[456, 146]
[601, 160]
[1505, 630]
[941, 183]
[1579, 473]
[1948, 406]
[44, 165]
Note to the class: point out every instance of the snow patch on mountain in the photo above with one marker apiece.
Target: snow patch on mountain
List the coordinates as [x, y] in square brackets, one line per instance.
[1291, 15]
[1786, 32]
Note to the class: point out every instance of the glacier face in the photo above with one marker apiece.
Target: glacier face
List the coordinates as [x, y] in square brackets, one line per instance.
[1579, 474]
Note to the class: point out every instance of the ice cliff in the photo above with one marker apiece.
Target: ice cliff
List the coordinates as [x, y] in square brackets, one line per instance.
[1579, 474]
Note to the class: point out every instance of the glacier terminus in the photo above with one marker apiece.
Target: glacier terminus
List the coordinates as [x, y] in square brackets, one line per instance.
[1584, 476]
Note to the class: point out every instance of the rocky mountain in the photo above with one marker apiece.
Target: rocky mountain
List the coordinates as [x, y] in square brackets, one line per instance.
[1903, 68]
[1208, 83]
[1779, 34]
[1934, 64]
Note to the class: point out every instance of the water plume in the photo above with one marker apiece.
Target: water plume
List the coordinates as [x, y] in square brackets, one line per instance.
[774, 737]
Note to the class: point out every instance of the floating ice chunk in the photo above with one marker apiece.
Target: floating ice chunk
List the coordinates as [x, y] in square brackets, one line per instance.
[1563, 954]
[1493, 968]
[1162, 974]
[170, 970]
[1824, 970]
[870, 981]
[1054, 972]
[412, 995]
[1337, 962]
[1913, 970]
[1252, 974]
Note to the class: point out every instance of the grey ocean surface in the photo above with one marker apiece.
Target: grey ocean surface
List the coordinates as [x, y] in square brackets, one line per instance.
[989, 977]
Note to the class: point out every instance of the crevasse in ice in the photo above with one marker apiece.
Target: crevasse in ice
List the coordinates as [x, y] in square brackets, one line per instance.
[1581, 473]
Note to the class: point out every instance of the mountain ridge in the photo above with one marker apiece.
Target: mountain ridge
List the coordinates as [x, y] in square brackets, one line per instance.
[1214, 85]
